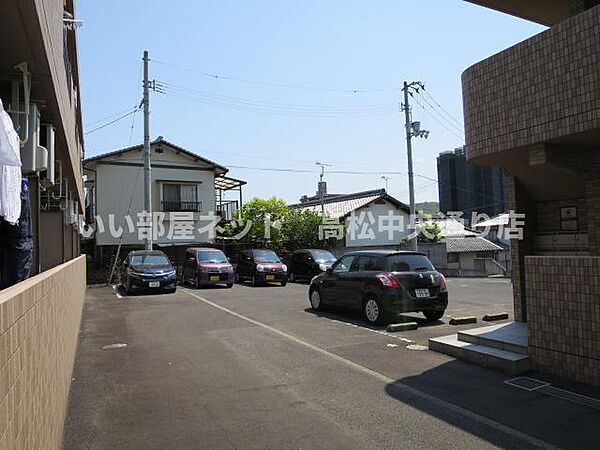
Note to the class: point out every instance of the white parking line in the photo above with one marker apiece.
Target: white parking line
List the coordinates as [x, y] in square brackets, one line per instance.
[385, 379]
[383, 333]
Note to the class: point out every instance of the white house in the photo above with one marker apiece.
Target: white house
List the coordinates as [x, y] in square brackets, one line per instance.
[185, 187]
[367, 216]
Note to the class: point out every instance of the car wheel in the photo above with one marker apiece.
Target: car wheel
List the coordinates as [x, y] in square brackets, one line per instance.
[229, 285]
[316, 302]
[434, 315]
[373, 311]
[254, 281]
[283, 282]
[292, 277]
[238, 279]
[170, 291]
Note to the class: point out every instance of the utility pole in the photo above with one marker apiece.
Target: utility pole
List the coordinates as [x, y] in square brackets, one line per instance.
[147, 168]
[321, 193]
[383, 177]
[413, 129]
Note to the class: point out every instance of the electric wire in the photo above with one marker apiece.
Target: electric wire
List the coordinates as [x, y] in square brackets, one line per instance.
[111, 122]
[270, 84]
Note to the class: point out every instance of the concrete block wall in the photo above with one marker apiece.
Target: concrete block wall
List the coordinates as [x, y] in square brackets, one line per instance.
[39, 329]
[563, 301]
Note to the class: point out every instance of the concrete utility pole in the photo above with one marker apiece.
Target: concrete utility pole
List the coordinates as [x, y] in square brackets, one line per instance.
[147, 168]
[412, 130]
[321, 191]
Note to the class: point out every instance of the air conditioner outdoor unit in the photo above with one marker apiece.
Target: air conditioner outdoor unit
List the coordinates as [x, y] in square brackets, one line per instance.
[47, 175]
[34, 157]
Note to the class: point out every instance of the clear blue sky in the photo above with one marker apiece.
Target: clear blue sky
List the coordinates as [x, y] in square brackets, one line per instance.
[330, 46]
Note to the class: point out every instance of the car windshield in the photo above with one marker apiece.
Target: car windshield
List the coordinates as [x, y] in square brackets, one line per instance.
[322, 256]
[407, 263]
[150, 260]
[216, 256]
[266, 256]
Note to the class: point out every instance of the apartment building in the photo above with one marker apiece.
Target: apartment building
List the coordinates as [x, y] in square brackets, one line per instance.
[40, 316]
[534, 110]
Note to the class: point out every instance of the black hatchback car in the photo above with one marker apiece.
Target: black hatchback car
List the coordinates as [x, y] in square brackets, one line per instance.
[382, 284]
[148, 270]
[308, 263]
[261, 266]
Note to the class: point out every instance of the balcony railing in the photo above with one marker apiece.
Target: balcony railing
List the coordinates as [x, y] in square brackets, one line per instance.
[176, 206]
[226, 209]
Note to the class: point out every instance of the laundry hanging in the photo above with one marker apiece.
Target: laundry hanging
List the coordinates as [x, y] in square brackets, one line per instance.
[10, 169]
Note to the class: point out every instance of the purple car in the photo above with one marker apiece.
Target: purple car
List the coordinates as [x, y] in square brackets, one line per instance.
[204, 266]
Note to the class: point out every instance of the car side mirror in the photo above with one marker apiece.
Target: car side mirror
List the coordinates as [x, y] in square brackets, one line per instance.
[329, 271]
[229, 259]
[191, 258]
[125, 263]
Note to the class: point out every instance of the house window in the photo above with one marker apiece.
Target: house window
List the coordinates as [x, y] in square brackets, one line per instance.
[453, 257]
[180, 197]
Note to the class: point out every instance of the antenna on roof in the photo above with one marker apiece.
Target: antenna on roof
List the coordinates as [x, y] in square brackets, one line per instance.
[322, 188]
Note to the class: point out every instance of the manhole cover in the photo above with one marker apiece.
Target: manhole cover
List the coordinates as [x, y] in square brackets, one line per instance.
[417, 347]
[529, 384]
[111, 346]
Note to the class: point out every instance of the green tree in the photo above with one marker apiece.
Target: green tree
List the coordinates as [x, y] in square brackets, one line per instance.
[255, 212]
[301, 229]
[429, 232]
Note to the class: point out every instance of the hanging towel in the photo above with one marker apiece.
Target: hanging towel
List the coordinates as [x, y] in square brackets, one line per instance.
[10, 169]
[9, 140]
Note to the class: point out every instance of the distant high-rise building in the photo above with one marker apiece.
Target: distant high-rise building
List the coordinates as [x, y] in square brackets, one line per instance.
[470, 188]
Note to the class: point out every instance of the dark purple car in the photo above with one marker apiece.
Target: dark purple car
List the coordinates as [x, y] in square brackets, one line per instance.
[204, 266]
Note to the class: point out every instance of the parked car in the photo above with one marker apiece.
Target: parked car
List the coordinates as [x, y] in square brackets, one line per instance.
[382, 284]
[204, 266]
[261, 266]
[148, 270]
[308, 263]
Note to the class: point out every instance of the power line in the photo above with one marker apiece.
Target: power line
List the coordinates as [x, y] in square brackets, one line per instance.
[112, 121]
[458, 122]
[106, 118]
[442, 117]
[270, 84]
[442, 124]
[277, 111]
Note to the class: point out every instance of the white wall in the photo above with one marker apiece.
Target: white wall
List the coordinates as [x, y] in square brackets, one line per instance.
[378, 237]
[117, 185]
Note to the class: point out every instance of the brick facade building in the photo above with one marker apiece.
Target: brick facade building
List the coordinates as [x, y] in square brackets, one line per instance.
[534, 110]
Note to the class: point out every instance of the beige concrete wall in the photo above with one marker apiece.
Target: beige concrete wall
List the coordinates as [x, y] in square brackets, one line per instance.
[39, 329]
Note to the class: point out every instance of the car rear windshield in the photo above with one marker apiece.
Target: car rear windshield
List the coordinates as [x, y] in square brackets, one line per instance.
[150, 260]
[407, 263]
[216, 256]
[266, 256]
[323, 256]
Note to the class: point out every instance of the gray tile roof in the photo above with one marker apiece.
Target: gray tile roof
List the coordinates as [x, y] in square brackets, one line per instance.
[470, 244]
[341, 205]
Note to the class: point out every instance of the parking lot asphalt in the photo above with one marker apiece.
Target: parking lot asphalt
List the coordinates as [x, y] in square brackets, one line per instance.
[257, 368]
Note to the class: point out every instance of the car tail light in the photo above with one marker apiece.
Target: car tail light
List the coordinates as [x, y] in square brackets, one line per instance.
[387, 280]
[443, 283]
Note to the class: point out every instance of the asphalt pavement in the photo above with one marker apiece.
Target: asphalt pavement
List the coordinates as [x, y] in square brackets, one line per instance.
[256, 368]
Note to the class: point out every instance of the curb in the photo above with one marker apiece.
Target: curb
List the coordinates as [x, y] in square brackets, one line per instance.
[463, 320]
[404, 326]
[496, 316]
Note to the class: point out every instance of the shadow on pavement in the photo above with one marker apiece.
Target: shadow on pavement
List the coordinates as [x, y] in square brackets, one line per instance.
[355, 317]
[483, 392]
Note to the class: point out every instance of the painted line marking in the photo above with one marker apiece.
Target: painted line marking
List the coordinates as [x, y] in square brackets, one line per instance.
[387, 380]
[383, 333]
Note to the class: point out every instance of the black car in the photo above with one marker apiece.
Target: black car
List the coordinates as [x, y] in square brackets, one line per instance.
[308, 263]
[382, 284]
[261, 266]
[148, 270]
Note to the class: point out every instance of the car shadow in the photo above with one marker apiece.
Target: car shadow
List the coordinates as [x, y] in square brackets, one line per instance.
[355, 317]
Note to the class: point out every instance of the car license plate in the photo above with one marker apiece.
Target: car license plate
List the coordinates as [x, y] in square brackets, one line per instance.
[270, 277]
[154, 284]
[215, 278]
[422, 293]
